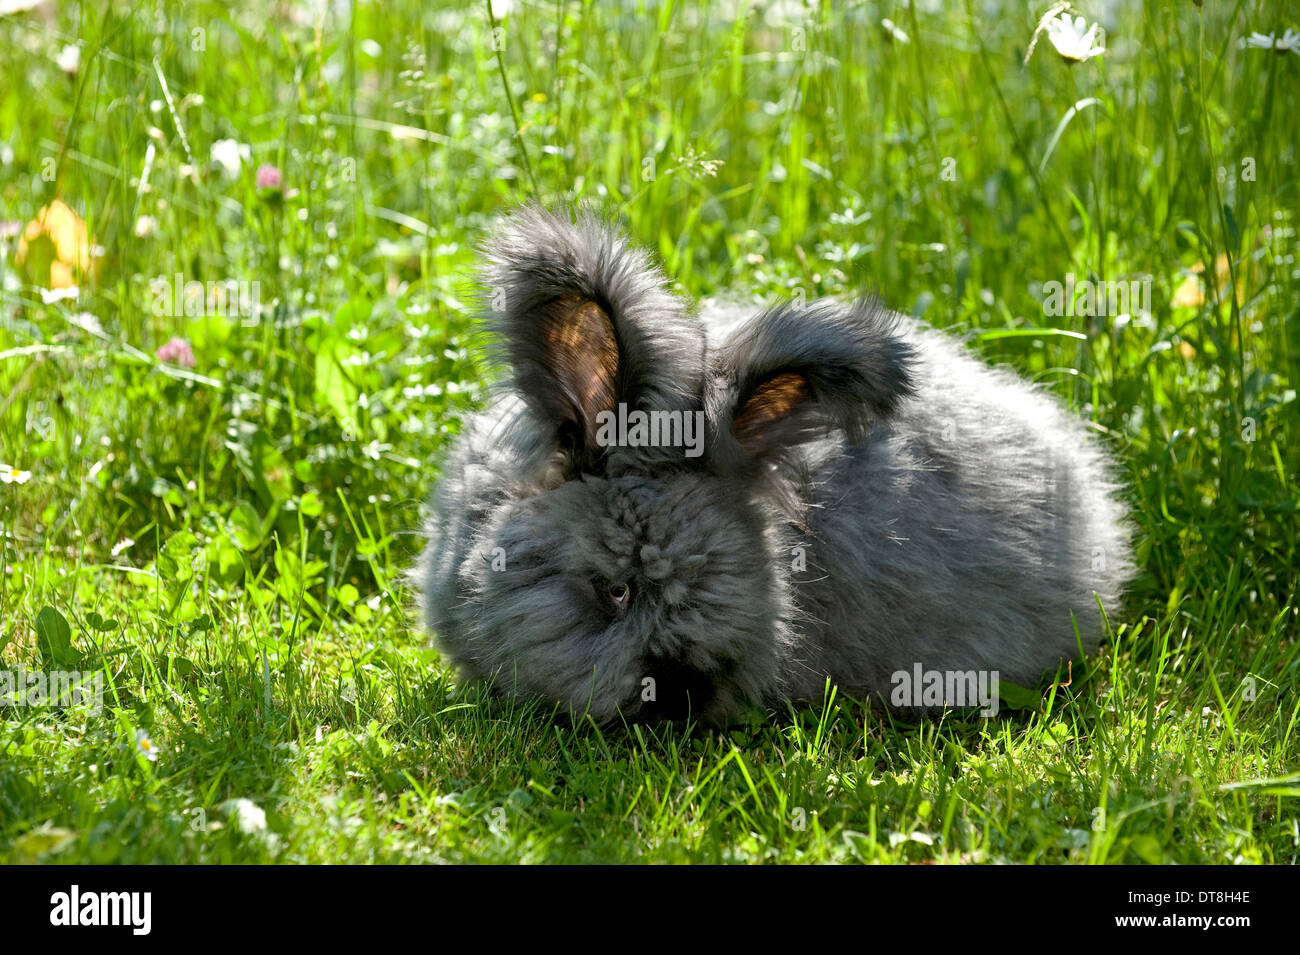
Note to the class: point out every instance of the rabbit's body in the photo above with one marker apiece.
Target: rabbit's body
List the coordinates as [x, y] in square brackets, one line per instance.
[973, 524]
[871, 499]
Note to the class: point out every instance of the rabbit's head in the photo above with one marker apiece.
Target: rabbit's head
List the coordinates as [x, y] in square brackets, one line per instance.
[642, 573]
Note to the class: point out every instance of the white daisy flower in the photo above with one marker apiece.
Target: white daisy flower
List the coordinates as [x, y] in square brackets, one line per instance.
[894, 32]
[145, 226]
[1075, 39]
[145, 746]
[51, 295]
[69, 58]
[87, 322]
[1289, 42]
[249, 816]
[229, 155]
[12, 475]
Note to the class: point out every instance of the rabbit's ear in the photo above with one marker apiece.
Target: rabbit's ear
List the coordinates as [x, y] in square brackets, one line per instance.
[575, 376]
[583, 322]
[794, 373]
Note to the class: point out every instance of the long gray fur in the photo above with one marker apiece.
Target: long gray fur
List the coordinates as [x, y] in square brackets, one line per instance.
[915, 506]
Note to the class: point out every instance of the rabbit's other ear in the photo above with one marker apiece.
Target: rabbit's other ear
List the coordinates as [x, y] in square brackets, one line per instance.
[793, 373]
[583, 321]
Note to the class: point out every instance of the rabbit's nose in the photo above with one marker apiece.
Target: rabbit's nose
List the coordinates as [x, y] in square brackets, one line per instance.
[680, 691]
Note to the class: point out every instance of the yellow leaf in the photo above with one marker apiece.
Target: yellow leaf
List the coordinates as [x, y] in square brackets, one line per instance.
[71, 260]
[1189, 294]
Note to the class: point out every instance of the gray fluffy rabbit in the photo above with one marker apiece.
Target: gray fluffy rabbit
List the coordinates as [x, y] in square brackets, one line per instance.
[662, 515]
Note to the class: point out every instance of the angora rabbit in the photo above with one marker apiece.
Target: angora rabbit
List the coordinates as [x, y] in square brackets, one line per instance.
[665, 515]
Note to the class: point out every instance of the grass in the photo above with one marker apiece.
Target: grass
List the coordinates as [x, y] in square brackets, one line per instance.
[225, 544]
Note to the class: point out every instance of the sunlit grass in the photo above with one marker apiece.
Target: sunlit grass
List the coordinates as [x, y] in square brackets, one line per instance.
[227, 541]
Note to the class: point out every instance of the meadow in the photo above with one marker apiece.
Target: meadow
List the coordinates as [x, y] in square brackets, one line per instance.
[237, 246]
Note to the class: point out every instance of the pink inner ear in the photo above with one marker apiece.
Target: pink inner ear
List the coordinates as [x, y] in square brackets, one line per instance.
[581, 353]
[770, 403]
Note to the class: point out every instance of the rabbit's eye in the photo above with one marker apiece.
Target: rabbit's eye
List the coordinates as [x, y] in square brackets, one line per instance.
[620, 595]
